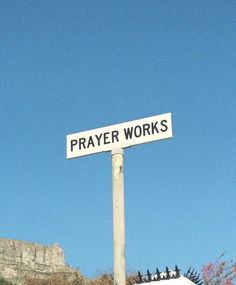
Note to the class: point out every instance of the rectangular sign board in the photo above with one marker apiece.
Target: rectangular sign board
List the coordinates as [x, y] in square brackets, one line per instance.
[119, 136]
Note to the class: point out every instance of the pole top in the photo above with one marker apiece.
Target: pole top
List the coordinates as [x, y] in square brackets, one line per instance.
[117, 151]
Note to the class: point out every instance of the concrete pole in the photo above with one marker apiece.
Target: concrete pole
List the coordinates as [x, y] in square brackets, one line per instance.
[118, 216]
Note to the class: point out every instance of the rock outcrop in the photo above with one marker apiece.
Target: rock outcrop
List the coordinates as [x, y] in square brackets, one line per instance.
[19, 259]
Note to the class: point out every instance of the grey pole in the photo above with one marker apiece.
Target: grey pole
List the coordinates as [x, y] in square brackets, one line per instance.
[118, 216]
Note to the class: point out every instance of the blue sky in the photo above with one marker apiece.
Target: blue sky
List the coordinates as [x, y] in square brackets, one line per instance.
[70, 66]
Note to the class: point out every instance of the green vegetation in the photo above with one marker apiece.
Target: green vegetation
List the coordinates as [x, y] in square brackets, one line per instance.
[4, 282]
[59, 279]
[56, 279]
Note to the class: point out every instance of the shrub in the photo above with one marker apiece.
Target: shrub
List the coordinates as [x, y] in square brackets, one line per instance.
[107, 279]
[4, 281]
[56, 279]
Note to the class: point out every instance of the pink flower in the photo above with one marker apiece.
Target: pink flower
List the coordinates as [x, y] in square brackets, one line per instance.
[228, 282]
[219, 273]
[207, 272]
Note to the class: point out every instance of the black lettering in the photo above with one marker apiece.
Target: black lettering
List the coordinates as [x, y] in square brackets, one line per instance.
[106, 137]
[90, 142]
[72, 144]
[128, 133]
[98, 138]
[114, 135]
[137, 131]
[154, 127]
[146, 129]
[164, 124]
[82, 143]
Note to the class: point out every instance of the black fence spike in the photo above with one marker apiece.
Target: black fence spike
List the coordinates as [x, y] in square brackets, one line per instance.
[149, 275]
[186, 274]
[158, 274]
[167, 273]
[177, 270]
[192, 273]
[140, 278]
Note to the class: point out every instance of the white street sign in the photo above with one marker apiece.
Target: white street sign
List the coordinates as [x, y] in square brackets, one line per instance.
[119, 136]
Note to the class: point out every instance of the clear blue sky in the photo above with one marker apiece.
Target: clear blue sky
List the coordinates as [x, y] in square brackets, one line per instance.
[70, 66]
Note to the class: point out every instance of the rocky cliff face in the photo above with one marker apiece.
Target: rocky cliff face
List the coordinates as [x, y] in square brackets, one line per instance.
[19, 259]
